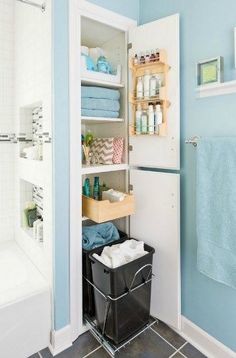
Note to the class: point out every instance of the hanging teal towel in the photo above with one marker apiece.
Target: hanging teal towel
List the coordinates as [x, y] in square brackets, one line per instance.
[216, 209]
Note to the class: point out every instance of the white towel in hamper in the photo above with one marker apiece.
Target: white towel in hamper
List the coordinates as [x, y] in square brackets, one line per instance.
[120, 254]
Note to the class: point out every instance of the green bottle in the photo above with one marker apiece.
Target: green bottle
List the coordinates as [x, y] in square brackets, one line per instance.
[96, 188]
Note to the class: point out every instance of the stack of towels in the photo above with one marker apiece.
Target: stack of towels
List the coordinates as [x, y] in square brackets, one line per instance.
[100, 102]
[121, 254]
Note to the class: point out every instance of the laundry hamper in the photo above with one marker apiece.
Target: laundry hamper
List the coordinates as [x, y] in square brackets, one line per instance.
[122, 296]
[88, 296]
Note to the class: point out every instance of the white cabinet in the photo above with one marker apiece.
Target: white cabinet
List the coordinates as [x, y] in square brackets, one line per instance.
[156, 220]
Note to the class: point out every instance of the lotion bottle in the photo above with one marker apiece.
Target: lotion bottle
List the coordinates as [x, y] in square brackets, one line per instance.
[158, 117]
[150, 119]
[139, 89]
[138, 119]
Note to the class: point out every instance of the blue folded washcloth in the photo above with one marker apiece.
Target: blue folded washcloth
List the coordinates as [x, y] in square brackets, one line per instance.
[98, 235]
[216, 209]
[99, 92]
[99, 113]
[100, 104]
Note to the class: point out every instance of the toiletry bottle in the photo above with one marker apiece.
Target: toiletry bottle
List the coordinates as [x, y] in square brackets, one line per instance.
[147, 57]
[142, 58]
[146, 84]
[152, 57]
[150, 119]
[158, 118]
[39, 234]
[153, 86]
[86, 187]
[139, 89]
[136, 59]
[144, 122]
[138, 119]
[157, 55]
[96, 188]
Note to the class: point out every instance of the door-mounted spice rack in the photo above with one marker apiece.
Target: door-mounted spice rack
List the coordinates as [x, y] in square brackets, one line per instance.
[148, 97]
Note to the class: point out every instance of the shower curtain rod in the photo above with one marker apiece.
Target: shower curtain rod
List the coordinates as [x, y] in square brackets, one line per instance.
[42, 7]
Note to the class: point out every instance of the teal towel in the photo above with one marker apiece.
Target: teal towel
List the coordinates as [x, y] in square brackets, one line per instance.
[99, 92]
[216, 209]
[99, 235]
[100, 104]
[99, 113]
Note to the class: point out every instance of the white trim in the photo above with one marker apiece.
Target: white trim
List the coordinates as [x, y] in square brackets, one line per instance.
[205, 343]
[60, 340]
[216, 89]
[100, 14]
[78, 8]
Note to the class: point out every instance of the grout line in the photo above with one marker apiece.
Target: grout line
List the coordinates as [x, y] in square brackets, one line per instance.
[96, 349]
[40, 355]
[179, 351]
[163, 339]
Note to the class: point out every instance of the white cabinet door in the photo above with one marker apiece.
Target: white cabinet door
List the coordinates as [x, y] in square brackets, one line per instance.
[156, 222]
[152, 151]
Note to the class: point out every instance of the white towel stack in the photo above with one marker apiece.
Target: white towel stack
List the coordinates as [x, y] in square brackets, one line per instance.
[113, 195]
[121, 254]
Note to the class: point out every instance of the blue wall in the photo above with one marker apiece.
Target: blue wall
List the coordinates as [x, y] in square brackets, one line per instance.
[61, 163]
[128, 8]
[206, 31]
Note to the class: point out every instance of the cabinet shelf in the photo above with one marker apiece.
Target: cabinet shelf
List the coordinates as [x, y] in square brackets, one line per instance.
[218, 89]
[97, 120]
[32, 171]
[100, 83]
[101, 168]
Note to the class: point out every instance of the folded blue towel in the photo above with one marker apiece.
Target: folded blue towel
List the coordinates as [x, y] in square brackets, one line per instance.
[99, 113]
[99, 92]
[100, 104]
[98, 235]
[216, 209]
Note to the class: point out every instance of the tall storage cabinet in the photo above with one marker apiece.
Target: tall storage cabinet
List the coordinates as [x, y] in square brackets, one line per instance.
[156, 192]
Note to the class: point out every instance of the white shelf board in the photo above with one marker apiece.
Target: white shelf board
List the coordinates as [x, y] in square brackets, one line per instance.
[32, 171]
[100, 168]
[218, 89]
[97, 120]
[100, 83]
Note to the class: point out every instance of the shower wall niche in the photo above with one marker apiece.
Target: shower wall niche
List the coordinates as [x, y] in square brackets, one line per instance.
[31, 200]
[31, 132]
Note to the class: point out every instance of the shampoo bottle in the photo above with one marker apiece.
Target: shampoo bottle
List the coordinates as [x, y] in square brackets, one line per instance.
[144, 122]
[146, 84]
[150, 119]
[139, 89]
[138, 119]
[158, 117]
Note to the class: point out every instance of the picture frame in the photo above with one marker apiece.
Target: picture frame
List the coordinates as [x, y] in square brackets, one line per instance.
[210, 71]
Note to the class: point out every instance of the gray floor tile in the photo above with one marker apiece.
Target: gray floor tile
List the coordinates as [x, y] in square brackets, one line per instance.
[171, 336]
[191, 352]
[34, 356]
[178, 355]
[147, 345]
[82, 346]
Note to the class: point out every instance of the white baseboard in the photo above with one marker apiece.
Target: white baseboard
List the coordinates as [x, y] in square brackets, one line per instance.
[205, 343]
[60, 340]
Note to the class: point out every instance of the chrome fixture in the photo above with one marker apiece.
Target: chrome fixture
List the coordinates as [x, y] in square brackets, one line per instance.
[192, 141]
[42, 7]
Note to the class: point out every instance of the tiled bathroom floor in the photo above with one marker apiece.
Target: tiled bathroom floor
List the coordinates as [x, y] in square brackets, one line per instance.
[157, 342]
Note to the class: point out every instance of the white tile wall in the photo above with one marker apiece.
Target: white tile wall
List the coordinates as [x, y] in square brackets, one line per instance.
[32, 86]
[7, 150]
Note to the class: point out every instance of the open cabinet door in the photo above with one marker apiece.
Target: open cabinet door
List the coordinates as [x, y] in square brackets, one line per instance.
[154, 151]
[156, 222]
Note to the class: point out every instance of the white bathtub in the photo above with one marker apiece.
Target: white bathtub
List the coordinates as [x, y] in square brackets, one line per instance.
[25, 309]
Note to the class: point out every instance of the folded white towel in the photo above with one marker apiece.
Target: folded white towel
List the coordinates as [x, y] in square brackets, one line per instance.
[121, 254]
[113, 195]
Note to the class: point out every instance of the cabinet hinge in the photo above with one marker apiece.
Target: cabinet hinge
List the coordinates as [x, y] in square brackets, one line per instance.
[129, 46]
[130, 148]
[131, 188]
